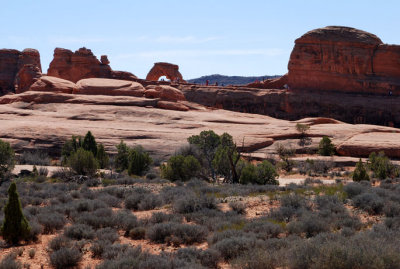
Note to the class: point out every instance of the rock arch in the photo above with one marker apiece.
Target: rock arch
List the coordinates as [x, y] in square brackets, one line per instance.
[171, 71]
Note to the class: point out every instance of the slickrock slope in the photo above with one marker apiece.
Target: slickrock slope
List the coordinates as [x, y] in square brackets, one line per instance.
[44, 120]
[344, 59]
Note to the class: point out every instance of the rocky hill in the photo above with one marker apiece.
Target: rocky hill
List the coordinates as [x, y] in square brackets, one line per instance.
[229, 80]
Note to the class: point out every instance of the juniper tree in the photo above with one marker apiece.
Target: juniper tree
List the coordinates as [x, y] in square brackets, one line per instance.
[15, 226]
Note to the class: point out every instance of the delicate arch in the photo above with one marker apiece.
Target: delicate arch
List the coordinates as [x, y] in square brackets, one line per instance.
[171, 71]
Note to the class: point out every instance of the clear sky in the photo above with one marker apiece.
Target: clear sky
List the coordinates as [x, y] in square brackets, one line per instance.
[229, 37]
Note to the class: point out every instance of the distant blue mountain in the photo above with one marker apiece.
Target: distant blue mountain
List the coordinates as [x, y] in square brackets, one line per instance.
[229, 80]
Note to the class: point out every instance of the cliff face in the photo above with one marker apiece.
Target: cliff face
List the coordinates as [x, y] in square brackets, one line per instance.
[344, 59]
[13, 61]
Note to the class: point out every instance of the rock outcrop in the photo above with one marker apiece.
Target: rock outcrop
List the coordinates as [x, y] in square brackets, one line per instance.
[344, 59]
[164, 92]
[278, 83]
[114, 87]
[171, 71]
[26, 76]
[74, 66]
[11, 62]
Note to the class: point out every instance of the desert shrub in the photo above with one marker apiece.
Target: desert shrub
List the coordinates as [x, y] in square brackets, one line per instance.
[185, 233]
[258, 259]
[32, 253]
[79, 232]
[97, 248]
[159, 217]
[7, 159]
[370, 202]
[263, 173]
[189, 204]
[65, 258]
[137, 233]
[121, 159]
[331, 203]
[138, 161]
[110, 200]
[132, 201]
[208, 258]
[125, 220]
[42, 171]
[35, 158]
[51, 221]
[354, 189]
[170, 194]
[284, 154]
[59, 242]
[231, 248]
[102, 156]
[360, 173]
[112, 251]
[238, 207]
[326, 148]
[83, 162]
[15, 226]
[310, 225]
[9, 262]
[263, 229]
[107, 234]
[150, 201]
[381, 166]
[391, 209]
[100, 218]
[180, 167]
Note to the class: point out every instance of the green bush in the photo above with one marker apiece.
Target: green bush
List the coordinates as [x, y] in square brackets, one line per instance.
[138, 161]
[102, 156]
[83, 162]
[326, 148]
[7, 158]
[381, 166]
[15, 227]
[89, 143]
[121, 159]
[263, 173]
[180, 168]
[360, 173]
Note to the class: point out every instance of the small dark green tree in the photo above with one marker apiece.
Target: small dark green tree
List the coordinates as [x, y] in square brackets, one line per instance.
[303, 129]
[138, 161]
[381, 166]
[360, 173]
[70, 147]
[83, 162]
[227, 158]
[121, 159]
[102, 156]
[207, 142]
[15, 227]
[180, 167]
[326, 148]
[89, 143]
[7, 158]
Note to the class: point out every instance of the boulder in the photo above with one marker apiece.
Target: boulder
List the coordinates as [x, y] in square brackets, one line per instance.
[52, 84]
[344, 59]
[171, 71]
[172, 106]
[103, 86]
[123, 75]
[164, 92]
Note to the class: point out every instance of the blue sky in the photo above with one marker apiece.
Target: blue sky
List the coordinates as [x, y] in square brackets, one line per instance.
[228, 37]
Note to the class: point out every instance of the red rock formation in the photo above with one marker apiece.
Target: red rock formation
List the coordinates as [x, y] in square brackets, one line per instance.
[11, 62]
[344, 59]
[171, 71]
[172, 106]
[278, 83]
[26, 76]
[74, 66]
